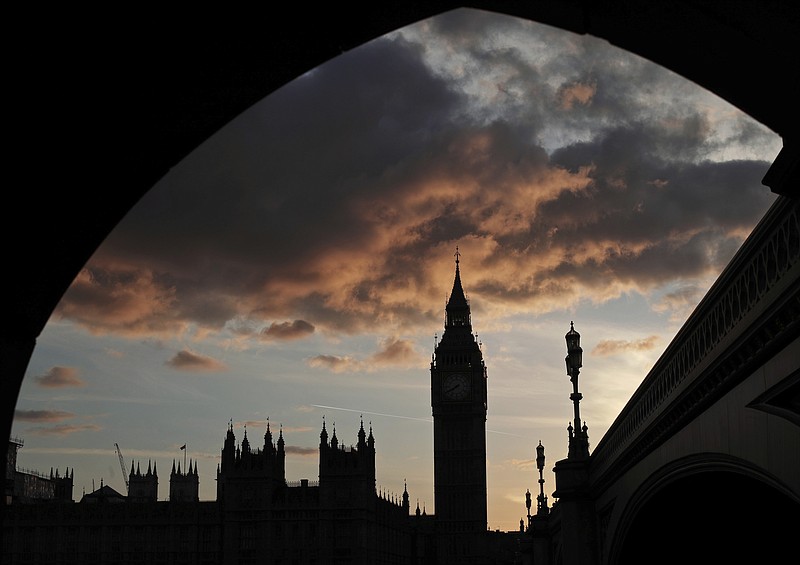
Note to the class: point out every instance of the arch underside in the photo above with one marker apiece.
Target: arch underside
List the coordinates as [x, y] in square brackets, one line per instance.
[708, 509]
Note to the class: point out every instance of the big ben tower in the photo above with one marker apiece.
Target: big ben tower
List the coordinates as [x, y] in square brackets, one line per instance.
[458, 399]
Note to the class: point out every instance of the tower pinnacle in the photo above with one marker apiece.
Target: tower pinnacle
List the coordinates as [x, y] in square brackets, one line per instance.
[457, 310]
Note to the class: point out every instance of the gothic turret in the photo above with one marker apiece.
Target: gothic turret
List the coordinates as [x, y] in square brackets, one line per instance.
[265, 466]
[184, 486]
[347, 469]
[143, 487]
[323, 436]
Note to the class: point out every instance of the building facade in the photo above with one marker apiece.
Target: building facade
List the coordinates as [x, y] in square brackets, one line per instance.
[260, 517]
[459, 405]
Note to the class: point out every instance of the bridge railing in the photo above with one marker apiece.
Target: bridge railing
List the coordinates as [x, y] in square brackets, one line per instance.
[709, 354]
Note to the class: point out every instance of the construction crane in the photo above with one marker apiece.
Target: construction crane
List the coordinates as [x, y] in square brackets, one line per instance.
[122, 466]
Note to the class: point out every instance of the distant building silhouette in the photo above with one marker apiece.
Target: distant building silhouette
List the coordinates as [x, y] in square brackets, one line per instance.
[28, 486]
[143, 487]
[258, 516]
[104, 495]
[184, 486]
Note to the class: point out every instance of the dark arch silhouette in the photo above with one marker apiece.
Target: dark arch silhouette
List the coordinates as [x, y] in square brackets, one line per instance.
[105, 103]
[712, 517]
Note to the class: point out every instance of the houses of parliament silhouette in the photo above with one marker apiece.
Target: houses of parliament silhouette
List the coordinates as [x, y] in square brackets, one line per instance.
[609, 507]
[260, 517]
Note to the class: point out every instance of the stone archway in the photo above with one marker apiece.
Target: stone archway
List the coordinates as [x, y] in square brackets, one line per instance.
[718, 515]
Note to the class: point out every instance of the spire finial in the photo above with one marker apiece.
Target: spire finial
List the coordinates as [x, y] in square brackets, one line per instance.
[457, 255]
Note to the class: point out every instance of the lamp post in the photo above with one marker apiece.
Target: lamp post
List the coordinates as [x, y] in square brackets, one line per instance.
[578, 438]
[528, 505]
[541, 500]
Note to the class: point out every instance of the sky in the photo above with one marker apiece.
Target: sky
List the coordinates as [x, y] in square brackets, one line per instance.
[296, 265]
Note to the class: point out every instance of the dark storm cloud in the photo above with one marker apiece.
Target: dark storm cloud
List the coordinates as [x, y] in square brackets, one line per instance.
[338, 201]
[42, 415]
[60, 377]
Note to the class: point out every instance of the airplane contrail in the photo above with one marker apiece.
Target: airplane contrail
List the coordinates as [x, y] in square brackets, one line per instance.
[428, 420]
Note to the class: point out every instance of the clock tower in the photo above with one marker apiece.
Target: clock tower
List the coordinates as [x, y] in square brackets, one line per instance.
[458, 400]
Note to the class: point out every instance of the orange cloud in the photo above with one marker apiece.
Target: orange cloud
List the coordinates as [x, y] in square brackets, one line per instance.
[576, 93]
[253, 423]
[60, 377]
[392, 352]
[64, 429]
[334, 363]
[120, 299]
[612, 347]
[42, 415]
[297, 429]
[396, 352]
[189, 361]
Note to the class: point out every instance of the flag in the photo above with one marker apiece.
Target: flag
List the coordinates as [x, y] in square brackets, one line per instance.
[183, 447]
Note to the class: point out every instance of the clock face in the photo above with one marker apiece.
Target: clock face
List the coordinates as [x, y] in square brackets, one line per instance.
[456, 387]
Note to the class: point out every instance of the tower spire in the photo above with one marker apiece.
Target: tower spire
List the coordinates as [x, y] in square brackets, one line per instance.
[457, 310]
[323, 435]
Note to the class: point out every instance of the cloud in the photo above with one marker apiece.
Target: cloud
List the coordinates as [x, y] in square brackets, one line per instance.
[296, 329]
[186, 360]
[302, 451]
[60, 377]
[395, 352]
[392, 352]
[64, 429]
[336, 203]
[335, 363]
[679, 303]
[523, 463]
[576, 93]
[42, 415]
[122, 299]
[259, 424]
[608, 347]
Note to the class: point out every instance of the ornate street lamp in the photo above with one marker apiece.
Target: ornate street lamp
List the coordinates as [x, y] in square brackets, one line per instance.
[579, 440]
[528, 505]
[541, 500]
[574, 357]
